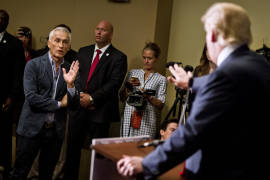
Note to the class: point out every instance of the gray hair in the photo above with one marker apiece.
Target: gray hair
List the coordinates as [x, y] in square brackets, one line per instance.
[60, 29]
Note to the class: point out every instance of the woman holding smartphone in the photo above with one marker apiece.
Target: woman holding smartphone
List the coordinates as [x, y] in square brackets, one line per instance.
[144, 95]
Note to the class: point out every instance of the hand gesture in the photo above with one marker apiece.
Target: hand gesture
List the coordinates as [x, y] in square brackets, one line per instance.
[130, 165]
[71, 75]
[134, 81]
[180, 77]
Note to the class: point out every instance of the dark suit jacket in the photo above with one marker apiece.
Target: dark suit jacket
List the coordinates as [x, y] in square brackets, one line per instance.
[192, 164]
[38, 81]
[105, 82]
[227, 122]
[12, 62]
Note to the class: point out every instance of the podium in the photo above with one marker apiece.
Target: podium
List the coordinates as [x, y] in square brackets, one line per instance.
[107, 151]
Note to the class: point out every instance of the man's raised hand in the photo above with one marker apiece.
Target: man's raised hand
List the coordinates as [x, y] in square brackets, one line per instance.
[71, 75]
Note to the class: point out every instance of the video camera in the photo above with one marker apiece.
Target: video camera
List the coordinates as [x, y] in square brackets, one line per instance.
[135, 96]
[186, 68]
[172, 64]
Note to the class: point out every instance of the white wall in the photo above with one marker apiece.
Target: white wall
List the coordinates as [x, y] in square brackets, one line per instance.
[134, 22]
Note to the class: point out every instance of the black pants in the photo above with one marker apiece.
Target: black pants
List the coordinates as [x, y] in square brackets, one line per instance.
[78, 131]
[5, 140]
[27, 149]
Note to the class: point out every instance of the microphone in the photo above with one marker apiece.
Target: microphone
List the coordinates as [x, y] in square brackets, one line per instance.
[155, 143]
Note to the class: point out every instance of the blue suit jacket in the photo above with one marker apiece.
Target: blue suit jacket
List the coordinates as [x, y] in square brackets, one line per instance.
[227, 122]
[192, 164]
[38, 82]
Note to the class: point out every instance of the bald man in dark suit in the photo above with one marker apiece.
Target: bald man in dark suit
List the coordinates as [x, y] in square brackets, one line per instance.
[99, 96]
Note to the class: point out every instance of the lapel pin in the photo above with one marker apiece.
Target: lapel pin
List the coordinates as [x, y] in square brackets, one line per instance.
[4, 41]
[107, 54]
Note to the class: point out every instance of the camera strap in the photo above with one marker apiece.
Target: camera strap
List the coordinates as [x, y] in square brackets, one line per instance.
[148, 79]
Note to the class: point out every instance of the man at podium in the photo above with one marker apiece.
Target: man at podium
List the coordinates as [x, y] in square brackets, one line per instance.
[223, 120]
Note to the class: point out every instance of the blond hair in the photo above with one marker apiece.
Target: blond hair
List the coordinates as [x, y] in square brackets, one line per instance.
[230, 22]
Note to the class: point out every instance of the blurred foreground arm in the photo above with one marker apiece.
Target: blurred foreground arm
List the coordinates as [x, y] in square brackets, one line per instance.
[180, 77]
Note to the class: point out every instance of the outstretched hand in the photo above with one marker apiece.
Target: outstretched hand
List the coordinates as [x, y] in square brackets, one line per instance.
[130, 165]
[71, 75]
[180, 77]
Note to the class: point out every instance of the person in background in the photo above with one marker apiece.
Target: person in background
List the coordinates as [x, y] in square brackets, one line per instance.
[229, 118]
[24, 34]
[206, 66]
[144, 119]
[11, 74]
[49, 90]
[167, 128]
[102, 71]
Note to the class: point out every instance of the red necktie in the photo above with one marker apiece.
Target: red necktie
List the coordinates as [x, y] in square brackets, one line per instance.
[93, 66]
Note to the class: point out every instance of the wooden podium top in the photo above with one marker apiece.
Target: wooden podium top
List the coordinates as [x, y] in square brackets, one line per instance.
[116, 151]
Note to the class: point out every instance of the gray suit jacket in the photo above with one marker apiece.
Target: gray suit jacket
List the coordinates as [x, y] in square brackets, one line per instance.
[38, 82]
[228, 122]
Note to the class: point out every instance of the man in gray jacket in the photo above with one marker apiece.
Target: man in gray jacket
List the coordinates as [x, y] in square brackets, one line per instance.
[48, 90]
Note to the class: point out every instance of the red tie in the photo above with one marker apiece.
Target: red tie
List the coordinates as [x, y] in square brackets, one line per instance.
[93, 66]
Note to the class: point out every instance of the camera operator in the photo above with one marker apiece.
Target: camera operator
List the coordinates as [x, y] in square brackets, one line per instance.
[144, 95]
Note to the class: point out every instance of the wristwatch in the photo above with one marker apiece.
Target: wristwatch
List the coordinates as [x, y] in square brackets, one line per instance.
[91, 100]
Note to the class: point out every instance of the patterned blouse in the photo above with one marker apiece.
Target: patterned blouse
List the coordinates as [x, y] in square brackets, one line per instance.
[151, 115]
